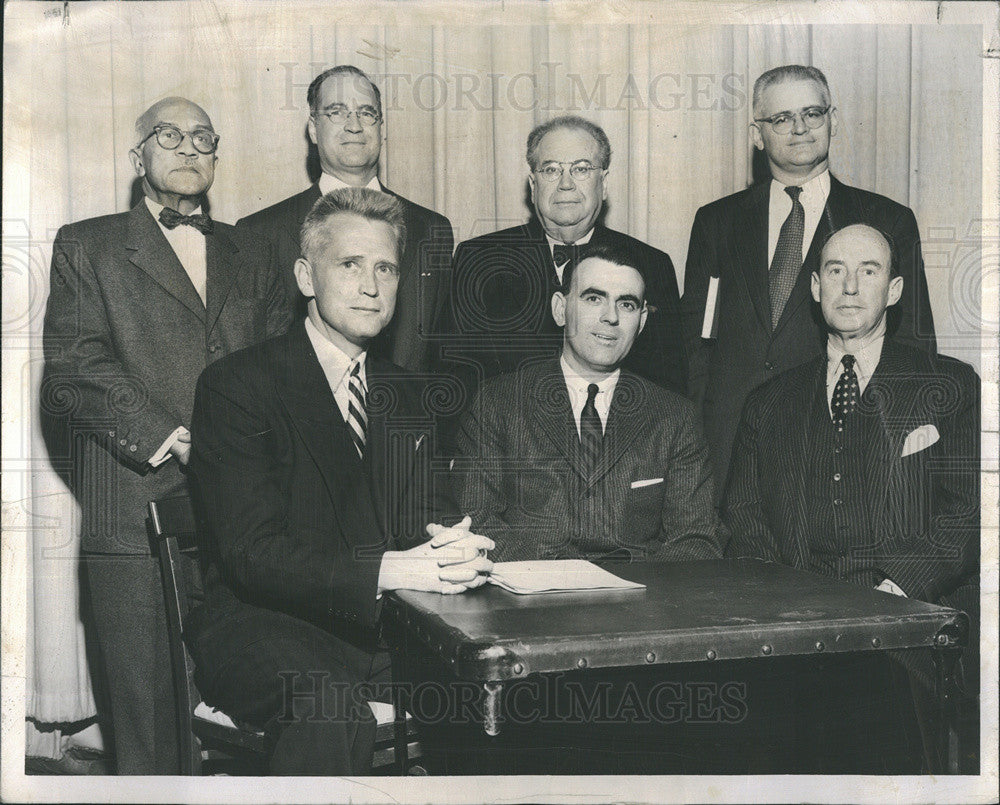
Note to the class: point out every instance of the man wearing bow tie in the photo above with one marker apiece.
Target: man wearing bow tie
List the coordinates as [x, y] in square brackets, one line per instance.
[312, 460]
[499, 315]
[863, 464]
[140, 302]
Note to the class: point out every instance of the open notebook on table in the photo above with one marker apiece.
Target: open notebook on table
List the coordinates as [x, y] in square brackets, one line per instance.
[556, 576]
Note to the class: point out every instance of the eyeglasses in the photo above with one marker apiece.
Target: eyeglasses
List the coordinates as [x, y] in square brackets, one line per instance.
[812, 117]
[170, 137]
[339, 115]
[581, 171]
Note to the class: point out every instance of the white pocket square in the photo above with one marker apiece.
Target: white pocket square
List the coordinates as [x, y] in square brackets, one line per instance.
[647, 482]
[920, 439]
[419, 441]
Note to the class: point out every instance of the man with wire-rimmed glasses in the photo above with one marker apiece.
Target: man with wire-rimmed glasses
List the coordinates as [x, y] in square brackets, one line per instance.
[747, 311]
[502, 283]
[346, 126]
[140, 302]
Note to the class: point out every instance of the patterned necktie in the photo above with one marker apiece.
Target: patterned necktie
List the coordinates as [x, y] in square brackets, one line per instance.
[787, 256]
[171, 219]
[565, 255]
[845, 394]
[357, 417]
[591, 432]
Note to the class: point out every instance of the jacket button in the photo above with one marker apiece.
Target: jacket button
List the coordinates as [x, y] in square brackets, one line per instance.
[836, 476]
[123, 442]
[838, 450]
[213, 348]
[769, 366]
[838, 502]
[132, 448]
[111, 433]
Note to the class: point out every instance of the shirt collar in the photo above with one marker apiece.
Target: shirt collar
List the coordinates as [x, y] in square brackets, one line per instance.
[816, 189]
[866, 357]
[329, 183]
[154, 207]
[580, 384]
[578, 242]
[334, 361]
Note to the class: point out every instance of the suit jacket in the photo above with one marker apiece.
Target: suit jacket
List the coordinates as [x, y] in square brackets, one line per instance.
[423, 285]
[924, 507]
[125, 337]
[729, 241]
[524, 480]
[500, 308]
[296, 521]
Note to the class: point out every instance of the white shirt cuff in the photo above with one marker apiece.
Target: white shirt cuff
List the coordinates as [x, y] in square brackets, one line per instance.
[163, 454]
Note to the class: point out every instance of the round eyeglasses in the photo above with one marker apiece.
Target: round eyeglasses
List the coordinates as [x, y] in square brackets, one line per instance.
[339, 115]
[170, 137]
[812, 117]
[580, 171]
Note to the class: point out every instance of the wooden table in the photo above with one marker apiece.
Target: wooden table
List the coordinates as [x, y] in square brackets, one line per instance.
[726, 609]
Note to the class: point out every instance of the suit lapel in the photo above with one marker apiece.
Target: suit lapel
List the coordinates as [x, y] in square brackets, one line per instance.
[553, 414]
[150, 252]
[628, 421]
[803, 409]
[304, 203]
[221, 270]
[751, 249]
[311, 406]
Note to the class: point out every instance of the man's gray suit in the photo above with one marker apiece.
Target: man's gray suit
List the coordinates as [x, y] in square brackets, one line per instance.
[524, 479]
[126, 336]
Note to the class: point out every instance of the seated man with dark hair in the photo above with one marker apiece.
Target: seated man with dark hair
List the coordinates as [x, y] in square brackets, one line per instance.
[577, 457]
[301, 446]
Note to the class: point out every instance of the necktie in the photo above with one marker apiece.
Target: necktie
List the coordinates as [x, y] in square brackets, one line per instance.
[845, 394]
[591, 432]
[171, 219]
[564, 255]
[787, 256]
[357, 417]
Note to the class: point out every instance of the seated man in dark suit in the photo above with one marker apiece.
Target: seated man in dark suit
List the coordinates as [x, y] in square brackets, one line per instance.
[502, 283]
[345, 125]
[575, 456]
[863, 464]
[312, 464]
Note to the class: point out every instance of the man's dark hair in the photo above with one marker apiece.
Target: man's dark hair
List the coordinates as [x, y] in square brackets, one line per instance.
[569, 122]
[312, 94]
[893, 255]
[788, 72]
[620, 256]
[361, 201]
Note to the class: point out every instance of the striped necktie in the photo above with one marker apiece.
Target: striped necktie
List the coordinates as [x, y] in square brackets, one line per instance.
[357, 417]
[591, 432]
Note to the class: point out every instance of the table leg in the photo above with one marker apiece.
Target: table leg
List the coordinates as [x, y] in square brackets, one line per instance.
[491, 707]
[946, 689]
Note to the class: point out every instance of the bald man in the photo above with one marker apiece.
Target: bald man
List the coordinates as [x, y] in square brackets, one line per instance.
[863, 464]
[140, 302]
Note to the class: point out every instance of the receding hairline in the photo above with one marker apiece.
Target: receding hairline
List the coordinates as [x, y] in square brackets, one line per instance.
[851, 230]
[143, 126]
[824, 89]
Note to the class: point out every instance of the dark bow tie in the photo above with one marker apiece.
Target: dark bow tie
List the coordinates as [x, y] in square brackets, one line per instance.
[171, 219]
[564, 254]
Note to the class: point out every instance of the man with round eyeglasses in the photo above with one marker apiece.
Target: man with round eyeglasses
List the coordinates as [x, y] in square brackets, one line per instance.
[345, 126]
[499, 315]
[747, 311]
[140, 302]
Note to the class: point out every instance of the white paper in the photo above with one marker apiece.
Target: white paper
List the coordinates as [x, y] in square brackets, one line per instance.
[711, 306]
[556, 576]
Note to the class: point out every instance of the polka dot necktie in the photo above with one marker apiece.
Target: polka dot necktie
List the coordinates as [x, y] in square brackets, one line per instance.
[845, 394]
[787, 260]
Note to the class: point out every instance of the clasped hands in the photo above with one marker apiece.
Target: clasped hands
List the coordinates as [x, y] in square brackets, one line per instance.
[452, 561]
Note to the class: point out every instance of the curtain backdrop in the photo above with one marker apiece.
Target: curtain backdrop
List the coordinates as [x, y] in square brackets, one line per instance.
[460, 98]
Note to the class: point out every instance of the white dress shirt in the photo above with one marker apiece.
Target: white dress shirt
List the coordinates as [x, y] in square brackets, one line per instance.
[577, 388]
[866, 357]
[552, 248]
[813, 198]
[328, 183]
[189, 245]
[336, 365]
